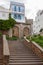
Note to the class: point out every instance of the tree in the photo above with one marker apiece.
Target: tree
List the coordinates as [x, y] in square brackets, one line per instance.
[41, 30]
[7, 24]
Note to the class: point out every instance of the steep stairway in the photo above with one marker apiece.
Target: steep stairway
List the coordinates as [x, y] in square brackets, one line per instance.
[21, 55]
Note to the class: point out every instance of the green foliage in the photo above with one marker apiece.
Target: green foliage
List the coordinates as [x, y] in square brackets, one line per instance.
[35, 35]
[0, 34]
[38, 39]
[11, 38]
[28, 37]
[12, 22]
[7, 24]
[41, 30]
[9, 15]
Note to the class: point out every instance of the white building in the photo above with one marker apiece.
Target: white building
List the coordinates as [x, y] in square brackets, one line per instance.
[38, 23]
[4, 13]
[18, 11]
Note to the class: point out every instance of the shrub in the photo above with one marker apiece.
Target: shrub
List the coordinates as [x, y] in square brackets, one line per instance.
[38, 39]
[35, 35]
[41, 30]
[7, 24]
[28, 37]
[11, 38]
[0, 34]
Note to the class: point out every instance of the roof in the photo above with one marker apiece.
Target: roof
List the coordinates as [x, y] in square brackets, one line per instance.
[17, 3]
[1, 7]
[29, 21]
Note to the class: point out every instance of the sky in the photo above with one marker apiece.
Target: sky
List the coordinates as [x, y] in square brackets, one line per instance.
[31, 6]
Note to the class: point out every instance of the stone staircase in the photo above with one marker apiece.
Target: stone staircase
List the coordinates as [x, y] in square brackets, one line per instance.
[21, 55]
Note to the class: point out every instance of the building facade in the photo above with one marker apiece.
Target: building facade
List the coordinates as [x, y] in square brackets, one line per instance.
[18, 11]
[38, 23]
[21, 29]
[23, 26]
[4, 13]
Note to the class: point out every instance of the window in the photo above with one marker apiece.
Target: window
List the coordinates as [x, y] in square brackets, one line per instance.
[3, 14]
[22, 9]
[15, 16]
[14, 8]
[19, 9]
[22, 16]
[19, 16]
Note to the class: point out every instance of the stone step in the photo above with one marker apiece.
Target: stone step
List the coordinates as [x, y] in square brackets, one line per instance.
[12, 50]
[27, 63]
[1, 63]
[22, 56]
[24, 59]
[22, 52]
[18, 50]
[1, 60]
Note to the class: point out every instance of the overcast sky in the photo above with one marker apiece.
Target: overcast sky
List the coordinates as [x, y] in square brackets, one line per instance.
[31, 6]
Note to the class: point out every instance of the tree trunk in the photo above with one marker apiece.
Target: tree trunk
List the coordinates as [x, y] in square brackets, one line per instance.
[10, 33]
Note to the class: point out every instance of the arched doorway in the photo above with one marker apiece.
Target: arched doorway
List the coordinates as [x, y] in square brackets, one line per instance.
[16, 31]
[26, 31]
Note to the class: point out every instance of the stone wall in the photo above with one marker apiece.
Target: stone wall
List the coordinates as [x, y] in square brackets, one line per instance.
[34, 47]
[21, 29]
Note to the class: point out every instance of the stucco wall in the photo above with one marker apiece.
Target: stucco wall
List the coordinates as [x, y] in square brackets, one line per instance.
[21, 29]
[4, 15]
